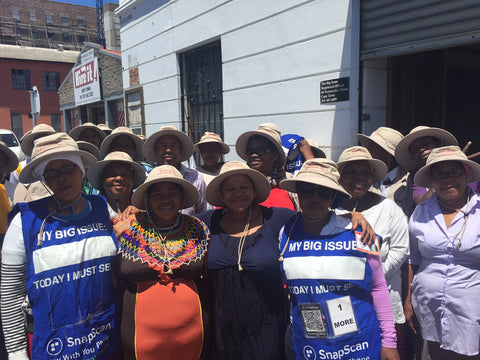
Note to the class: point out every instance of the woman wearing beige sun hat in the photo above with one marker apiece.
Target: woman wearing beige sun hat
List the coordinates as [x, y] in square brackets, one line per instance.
[319, 251]
[444, 259]
[412, 153]
[262, 150]
[250, 304]
[211, 148]
[382, 144]
[358, 171]
[51, 242]
[166, 299]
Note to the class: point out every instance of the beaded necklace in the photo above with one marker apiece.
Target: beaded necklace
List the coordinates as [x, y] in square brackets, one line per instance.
[164, 249]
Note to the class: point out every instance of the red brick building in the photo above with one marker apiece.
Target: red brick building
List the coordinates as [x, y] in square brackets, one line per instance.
[23, 68]
[51, 24]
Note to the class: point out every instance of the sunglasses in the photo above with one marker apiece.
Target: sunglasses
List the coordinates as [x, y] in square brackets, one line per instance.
[260, 151]
[306, 190]
[53, 174]
[447, 175]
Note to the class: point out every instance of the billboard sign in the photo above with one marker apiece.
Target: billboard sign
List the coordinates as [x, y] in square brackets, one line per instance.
[86, 83]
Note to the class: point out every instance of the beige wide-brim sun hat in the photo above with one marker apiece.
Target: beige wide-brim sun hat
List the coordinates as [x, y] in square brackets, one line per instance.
[211, 137]
[12, 160]
[165, 174]
[359, 153]
[122, 130]
[76, 131]
[149, 145]
[261, 185]
[269, 131]
[51, 146]
[95, 173]
[402, 154]
[88, 147]
[322, 172]
[26, 142]
[446, 153]
[385, 137]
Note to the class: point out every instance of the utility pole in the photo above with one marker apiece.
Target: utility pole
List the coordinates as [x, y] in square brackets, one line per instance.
[100, 27]
[34, 104]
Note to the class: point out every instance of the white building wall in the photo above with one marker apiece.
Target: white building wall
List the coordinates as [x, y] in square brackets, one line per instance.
[275, 53]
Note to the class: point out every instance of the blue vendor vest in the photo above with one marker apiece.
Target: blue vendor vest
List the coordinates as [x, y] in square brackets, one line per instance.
[329, 282]
[70, 282]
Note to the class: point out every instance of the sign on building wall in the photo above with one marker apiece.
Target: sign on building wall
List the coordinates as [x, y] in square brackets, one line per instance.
[86, 83]
[334, 90]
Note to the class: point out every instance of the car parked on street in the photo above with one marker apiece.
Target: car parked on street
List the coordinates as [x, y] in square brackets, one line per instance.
[11, 140]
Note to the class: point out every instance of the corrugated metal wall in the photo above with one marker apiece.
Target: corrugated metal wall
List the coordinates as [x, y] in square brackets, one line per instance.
[395, 27]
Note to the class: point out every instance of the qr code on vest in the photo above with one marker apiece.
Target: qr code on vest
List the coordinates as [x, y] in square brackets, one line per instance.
[313, 320]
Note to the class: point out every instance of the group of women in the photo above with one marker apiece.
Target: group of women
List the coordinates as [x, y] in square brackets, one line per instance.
[160, 298]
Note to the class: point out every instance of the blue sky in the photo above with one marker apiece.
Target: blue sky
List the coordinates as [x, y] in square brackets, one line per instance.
[92, 3]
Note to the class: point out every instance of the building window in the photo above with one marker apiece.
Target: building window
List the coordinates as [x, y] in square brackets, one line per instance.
[18, 31]
[33, 16]
[56, 122]
[17, 125]
[134, 111]
[16, 14]
[81, 38]
[50, 35]
[65, 21]
[21, 79]
[81, 23]
[49, 19]
[51, 80]
[66, 37]
[34, 33]
[202, 93]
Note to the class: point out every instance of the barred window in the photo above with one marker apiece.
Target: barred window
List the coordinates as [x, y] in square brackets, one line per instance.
[49, 19]
[33, 16]
[51, 80]
[21, 79]
[16, 15]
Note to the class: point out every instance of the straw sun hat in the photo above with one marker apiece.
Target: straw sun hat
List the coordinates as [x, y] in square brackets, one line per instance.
[95, 173]
[50, 146]
[446, 153]
[119, 131]
[26, 142]
[402, 154]
[322, 172]
[385, 137]
[359, 153]
[269, 131]
[260, 183]
[76, 131]
[12, 160]
[165, 173]
[211, 137]
[149, 145]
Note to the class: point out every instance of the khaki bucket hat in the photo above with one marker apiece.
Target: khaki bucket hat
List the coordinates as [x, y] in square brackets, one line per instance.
[105, 128]
[95, 173]
[402, 154]
[50, 146]
[76, 131]
[149, 145]
[26, 142]
[322, 172]
[119, 131]
[165, 173]
[211, 137]
[270, 131]
[12, 160]
[260, 183]
[359, 153]
[385, 137]
[92, 149]
[446, 153]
